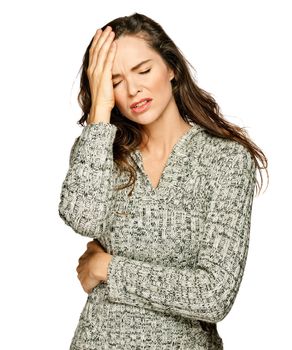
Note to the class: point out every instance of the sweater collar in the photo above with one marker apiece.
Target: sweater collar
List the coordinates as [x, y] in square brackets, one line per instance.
[176, 170]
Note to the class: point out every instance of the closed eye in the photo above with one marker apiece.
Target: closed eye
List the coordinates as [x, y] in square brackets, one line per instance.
[116, 85]
[145, 72]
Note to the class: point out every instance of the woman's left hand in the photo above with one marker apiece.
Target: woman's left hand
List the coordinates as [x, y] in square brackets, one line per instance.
[93, 266]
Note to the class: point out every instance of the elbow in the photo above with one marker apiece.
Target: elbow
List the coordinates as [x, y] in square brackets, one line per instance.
[63, 215]
[221, 305]
[213, 313]
[215, 304]
[66, 215]
[220, 312]
[64, 210]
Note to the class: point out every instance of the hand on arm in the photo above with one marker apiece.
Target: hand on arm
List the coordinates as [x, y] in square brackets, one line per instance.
[93, 266]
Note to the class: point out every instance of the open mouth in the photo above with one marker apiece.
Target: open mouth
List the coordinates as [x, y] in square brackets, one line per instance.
[142, 107]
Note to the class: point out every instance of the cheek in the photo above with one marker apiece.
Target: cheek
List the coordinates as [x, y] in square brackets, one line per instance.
[119, 101]
[157, 83]
[161, 85]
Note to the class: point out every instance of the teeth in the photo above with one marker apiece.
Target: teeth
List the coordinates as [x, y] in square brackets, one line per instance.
[141, 104]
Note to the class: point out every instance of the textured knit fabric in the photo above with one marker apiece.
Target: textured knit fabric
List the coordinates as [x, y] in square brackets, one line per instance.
[179, 250]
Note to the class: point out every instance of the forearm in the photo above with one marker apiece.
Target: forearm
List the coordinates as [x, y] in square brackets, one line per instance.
[87, 190]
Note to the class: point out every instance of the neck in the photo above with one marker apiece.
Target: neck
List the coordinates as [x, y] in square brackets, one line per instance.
[161, 135]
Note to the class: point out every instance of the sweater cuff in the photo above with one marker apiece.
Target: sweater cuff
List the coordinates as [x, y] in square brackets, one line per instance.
[97, 131]
[95, 143]
[115, 278]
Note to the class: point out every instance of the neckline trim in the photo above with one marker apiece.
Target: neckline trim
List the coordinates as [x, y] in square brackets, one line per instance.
[178, 149]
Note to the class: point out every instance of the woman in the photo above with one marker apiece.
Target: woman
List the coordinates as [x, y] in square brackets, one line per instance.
[164, 185]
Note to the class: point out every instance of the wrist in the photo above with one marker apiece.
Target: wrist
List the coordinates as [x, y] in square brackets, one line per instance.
[99, 114]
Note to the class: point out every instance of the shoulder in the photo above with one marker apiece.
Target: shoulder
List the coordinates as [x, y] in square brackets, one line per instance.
[224, 153]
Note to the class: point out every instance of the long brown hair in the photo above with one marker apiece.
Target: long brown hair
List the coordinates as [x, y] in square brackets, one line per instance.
[192, 101]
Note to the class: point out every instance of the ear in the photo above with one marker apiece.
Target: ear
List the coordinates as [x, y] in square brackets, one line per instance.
[170, 74]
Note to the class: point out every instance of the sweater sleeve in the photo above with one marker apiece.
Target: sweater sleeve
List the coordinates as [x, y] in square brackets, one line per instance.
[87, 190]
[207, 291]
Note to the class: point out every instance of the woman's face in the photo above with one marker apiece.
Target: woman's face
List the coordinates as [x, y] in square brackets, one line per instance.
[151, 79]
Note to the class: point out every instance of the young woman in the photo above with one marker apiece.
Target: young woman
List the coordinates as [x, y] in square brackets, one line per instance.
[164, 186]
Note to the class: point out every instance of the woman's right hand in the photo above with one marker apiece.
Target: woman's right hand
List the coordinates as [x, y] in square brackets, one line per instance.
[99, 72]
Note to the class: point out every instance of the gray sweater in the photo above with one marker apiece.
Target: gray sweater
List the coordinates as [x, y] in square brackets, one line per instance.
[179, 250]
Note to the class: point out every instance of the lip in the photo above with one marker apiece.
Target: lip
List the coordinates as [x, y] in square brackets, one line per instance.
[142, 100]
[143, 108]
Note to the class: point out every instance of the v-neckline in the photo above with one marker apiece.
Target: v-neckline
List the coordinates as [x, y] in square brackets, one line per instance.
[178, 146]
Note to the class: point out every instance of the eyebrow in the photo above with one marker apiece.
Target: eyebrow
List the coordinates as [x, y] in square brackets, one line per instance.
[133, 68]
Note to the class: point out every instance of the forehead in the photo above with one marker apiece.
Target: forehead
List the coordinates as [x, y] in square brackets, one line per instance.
[131, 43]
[130, 51]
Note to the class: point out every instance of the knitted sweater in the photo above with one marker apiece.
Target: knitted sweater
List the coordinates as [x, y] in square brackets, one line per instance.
[179, 250]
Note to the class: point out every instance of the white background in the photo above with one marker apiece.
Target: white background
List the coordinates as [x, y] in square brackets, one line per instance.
[241, 52]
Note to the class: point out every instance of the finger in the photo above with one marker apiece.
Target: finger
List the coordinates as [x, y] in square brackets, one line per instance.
[102, 54]
[99, 34]
[82, 262]
[99, 44]
[85, 285]
[82, 258]
[79, 276]
[86, 290]
[91, 245]
[93, 48]
[94, 246]
[110, 58]
[95, 40]
[101, 37]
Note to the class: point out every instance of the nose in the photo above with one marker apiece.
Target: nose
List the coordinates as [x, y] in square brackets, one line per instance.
[132, 87]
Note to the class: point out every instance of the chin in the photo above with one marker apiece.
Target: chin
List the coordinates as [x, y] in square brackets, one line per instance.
[145, 119]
